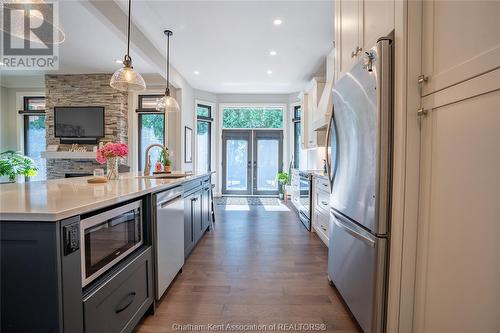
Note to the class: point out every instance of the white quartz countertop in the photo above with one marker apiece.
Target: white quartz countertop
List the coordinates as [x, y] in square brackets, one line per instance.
[57, 199]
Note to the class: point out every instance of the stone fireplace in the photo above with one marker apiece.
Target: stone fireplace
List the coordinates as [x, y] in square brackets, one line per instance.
[84, 90]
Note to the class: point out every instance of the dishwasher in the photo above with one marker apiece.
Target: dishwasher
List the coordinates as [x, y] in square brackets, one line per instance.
[169, 236]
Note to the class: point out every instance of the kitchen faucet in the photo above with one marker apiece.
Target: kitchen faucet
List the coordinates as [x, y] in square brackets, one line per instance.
[148, 162]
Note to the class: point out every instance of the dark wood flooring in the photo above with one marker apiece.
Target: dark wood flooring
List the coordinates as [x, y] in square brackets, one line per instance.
[256, 267]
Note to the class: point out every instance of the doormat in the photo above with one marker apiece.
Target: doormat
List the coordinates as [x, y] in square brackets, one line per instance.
[250, 201]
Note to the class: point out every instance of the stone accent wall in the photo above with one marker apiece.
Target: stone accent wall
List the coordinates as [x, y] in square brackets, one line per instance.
[84, 90]
[59, 168]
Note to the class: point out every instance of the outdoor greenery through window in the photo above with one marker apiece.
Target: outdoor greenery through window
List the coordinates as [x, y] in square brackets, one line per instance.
[203, 111]
[151, 126]
[252, 117]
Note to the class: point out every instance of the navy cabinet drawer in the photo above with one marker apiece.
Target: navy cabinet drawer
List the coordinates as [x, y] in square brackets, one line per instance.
[118, 304]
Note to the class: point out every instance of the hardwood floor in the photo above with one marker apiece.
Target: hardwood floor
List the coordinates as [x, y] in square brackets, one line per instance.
[256, 267]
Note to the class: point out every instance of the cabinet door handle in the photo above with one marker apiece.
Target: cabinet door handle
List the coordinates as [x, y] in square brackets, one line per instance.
[324, 203]
[356, 52]
[323, 227]
[130, 299]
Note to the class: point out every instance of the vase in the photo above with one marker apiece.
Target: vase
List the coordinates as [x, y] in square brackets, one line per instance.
[112, 168]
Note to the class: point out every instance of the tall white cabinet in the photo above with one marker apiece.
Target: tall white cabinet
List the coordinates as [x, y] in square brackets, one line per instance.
[458, 247]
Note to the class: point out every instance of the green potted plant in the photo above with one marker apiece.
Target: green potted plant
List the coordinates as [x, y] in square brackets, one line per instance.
[282, 178]
[165, 161]
[13, 164]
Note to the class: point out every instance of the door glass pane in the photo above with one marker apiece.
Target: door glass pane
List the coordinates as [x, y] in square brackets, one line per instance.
[203, 133]
[151, 130]
[236, 165]
[35, 143]
[267, 164]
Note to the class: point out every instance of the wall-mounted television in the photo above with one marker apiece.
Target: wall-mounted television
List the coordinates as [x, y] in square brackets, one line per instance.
[79, 124]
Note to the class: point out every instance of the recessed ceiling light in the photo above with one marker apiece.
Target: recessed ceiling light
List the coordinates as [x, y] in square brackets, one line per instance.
[196, 73]
[118, 61]
[273, 53]
[277, 22]
[269, 72]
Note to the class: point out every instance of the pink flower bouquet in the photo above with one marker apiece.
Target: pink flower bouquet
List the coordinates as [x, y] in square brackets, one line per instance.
[111, 150]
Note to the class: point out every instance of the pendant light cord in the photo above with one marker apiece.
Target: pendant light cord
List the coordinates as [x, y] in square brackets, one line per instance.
[168, 63]
[128, 29]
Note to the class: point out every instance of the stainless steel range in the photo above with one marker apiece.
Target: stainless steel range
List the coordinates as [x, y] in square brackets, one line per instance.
[304, 204]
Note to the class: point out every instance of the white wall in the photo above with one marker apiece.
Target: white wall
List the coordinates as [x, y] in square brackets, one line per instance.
[253, 98]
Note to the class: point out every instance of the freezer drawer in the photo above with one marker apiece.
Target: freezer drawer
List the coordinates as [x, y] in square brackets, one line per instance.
[357, 267]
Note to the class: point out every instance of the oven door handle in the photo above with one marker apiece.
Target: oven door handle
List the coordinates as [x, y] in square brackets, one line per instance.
[129, 298]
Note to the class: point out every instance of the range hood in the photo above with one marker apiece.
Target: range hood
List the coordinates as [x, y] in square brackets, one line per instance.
[325, 103]
[324, 107]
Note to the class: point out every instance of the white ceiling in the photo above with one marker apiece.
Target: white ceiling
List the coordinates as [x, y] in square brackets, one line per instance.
[228, 42]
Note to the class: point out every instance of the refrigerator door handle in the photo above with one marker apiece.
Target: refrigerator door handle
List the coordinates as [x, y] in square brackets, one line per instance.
[368, 241]
[327, 147]
[384, 137]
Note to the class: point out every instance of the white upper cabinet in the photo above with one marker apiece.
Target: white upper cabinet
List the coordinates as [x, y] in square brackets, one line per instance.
[377, 21]
[347, 34]
[359, 24]
[461, 40]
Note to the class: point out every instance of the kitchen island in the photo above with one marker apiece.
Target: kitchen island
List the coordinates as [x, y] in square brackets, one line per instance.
[79, 257]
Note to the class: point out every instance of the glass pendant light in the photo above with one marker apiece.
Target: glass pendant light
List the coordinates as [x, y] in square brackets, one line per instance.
[126, 78]
[167, 103]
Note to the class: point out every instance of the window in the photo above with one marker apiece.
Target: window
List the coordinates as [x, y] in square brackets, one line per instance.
[33, 114]
[151, 126]
[148, 102]
[252, 117]
[204, 137]
[296, 136]
[34, 103]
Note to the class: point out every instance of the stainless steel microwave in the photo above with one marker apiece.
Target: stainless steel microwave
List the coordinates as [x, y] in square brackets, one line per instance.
[108, 237]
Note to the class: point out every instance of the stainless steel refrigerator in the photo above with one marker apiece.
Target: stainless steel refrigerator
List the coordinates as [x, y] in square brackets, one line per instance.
[359, 156]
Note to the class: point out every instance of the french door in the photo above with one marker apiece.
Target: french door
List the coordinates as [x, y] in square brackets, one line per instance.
[250, 161]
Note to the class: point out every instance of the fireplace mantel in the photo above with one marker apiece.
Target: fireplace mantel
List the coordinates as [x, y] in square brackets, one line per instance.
[68, 155]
